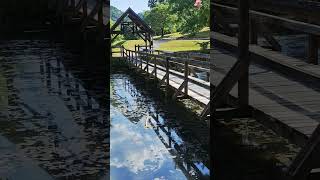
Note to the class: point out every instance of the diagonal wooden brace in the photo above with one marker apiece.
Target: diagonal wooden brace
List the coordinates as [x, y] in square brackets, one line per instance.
[163, 79]
[90, 16]
[307, 159]
[179, 90]
[229, 81]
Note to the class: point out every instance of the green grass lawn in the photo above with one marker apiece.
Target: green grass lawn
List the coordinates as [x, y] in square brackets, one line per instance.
[129, 44]
[204, 33]
[181, 45]
[174, 45]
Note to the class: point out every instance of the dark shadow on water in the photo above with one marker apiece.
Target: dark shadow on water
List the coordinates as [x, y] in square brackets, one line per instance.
[54, 115]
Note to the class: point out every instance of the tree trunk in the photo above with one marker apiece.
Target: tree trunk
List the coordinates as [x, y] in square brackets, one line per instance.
[162, 32]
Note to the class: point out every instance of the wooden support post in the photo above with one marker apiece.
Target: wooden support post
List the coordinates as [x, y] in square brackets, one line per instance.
[100, 12]
[128, 56]
[186, 78]
[147, 67]
[243, 46]
[135, 54]
[85, 9]
[100, 16]
[122, 51]
[141, 62]
[73, 6]
[168, 71]
[155, 67]
[312, 49]
[132, 58]
[253, 32]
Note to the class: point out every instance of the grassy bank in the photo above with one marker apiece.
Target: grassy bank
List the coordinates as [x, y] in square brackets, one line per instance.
[204, 33]
[182, 45]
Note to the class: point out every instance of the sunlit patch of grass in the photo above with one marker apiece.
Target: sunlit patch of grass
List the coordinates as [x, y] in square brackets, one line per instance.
[117, 43]
[172, 35]
[131, 43]
[203, 33]
[182, 45]
[116, 50]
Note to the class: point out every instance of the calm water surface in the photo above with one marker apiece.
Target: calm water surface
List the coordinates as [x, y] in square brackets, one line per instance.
[147, 141]
[51, 124]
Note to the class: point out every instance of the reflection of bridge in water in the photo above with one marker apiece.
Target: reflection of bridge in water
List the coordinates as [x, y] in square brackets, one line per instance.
[63, 125]
[190, 157]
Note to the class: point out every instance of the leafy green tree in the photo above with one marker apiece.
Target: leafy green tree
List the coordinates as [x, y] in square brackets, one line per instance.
[161, 19]
[153, 3]
[191, 19]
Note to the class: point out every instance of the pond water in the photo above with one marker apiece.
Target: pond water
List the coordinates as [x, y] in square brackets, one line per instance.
[52, 124]
[148, 138]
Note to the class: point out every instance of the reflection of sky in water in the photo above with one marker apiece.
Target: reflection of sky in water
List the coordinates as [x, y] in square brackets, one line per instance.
[143, 145]
[137, 153]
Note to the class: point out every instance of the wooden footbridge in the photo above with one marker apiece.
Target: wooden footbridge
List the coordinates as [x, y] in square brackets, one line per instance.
[264, 84]
[172, 72]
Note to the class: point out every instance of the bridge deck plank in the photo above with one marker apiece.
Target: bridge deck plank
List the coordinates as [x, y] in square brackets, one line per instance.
[195, 92]
[285, 99]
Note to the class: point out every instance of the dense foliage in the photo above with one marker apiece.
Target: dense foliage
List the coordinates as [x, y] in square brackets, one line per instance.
[179, 15]
[169, 16]
[160, 19]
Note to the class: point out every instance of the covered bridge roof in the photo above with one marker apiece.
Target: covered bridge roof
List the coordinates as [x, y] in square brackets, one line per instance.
[135, 19]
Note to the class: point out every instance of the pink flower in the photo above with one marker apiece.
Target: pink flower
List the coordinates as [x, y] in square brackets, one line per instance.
[198, 4]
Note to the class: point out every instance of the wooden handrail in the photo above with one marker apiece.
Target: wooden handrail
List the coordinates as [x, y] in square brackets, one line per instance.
[285, 22]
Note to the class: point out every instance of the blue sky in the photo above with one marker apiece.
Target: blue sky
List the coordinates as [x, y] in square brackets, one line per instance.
[136, 5]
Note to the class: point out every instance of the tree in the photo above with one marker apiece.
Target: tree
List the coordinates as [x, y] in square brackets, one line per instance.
[160, 19]
[153, 3]
[192, 19]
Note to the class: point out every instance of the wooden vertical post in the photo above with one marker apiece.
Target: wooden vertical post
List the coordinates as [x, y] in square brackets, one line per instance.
[243, 46]
[73, 6]
[136, 57]
[135, 54]
[132, 59]
[85, 8]
[141, 62]
[128, 56]
[122, 48]
[167, 71]
[155, 67]
[186, 78]
[312, 49]
[100, 13]
[253, 32]
[147, 59]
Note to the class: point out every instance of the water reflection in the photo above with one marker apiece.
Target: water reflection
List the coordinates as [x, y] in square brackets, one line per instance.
[48, 116]
[147, 142]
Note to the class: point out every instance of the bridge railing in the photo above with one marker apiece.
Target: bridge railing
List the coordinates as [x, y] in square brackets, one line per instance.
[168, 65]
[306, 160]
[258, 18]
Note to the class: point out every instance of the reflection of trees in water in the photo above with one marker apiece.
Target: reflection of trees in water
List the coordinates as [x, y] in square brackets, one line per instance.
[39, 136]
[189, 154]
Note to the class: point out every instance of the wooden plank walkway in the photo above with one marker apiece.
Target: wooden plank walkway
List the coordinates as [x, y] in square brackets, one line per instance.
[292, 103]
[198, 90]
[195, 92]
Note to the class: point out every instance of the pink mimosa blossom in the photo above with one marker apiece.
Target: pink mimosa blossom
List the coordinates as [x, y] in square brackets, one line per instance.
[198, 4]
